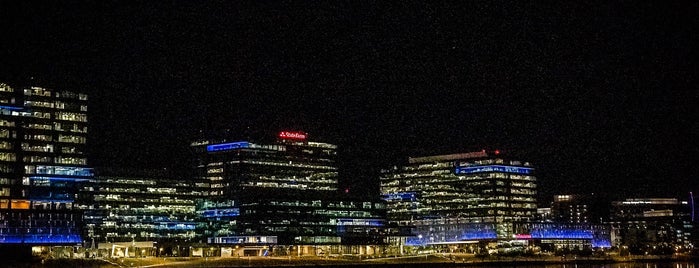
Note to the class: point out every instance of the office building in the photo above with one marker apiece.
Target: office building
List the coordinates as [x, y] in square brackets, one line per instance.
[147, 212]
[42, 165]
[284, 192]
[467, 198]
[570, 209]
[654, 225]
[456, 197]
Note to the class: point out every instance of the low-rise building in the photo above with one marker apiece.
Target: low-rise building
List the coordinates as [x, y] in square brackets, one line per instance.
[153, 208]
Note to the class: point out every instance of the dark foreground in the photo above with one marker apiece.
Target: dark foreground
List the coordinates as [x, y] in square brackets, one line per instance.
[436, 260]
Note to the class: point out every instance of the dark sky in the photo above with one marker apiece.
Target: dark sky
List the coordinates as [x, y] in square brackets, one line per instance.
[601, 97]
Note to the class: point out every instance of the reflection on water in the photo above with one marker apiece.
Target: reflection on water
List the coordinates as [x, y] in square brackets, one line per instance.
[502, 265]
[626, 265]
[610, 265]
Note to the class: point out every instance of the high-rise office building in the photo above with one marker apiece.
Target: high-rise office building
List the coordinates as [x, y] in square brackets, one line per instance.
[42, 165]
[283, 192]
[455, 197]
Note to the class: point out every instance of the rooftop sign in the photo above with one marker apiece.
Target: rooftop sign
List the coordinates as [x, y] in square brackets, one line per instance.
[292, 135]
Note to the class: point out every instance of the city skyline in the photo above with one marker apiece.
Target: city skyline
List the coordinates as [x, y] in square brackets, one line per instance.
[599, 98]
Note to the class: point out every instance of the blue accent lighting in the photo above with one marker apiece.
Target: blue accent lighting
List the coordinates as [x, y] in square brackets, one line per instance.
[40, 239]
[561, 234]
[360, 222]
[227, 146]
[216, 213]
[11, 108]
[485, 234]
[402, 196]
[57, 178]
[601, 243]
[493, 168]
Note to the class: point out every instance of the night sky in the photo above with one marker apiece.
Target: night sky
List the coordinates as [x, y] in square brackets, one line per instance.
[601, 97]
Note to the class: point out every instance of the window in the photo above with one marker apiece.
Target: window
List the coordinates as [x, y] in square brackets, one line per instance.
[5, 145]
[71, 160]
[78, 117]
[71, 139]
[9, 157]
[6, 88]
[37, 91]
[46, 148]
[19, 204]
[70, 150]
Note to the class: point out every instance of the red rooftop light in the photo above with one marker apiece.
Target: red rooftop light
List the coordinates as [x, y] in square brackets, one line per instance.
[497, 152]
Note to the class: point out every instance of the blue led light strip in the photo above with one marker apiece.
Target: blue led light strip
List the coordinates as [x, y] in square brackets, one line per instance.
[227, 146]
[40, 239]
[11, 108]
[493, 168]
[214, 213]
[57, 178]
[401, 196]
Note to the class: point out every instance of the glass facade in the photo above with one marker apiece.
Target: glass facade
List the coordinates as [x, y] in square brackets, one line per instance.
[143, 206]
[448, 198]
[660, 223]
[42, 165]
[285, 192]
[472, 187]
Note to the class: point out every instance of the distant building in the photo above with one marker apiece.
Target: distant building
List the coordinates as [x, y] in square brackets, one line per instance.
[266, 194]
[42, 165]
[456, 197]
[544, 215]
[151, 206]
[654, 225]
[570, 209]
[462, 199]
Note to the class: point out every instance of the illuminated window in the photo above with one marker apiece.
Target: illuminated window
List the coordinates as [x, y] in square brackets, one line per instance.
[5, 123]
[71, 160]
[8, 157]
[70, 150]
[37, 91]
[39, 126]
[71, 139]
[19, 204]
[78, 117]
[5, 145]
[38, 159]
[44, 104]
[6, 88]
[38, 137]
[46, 148]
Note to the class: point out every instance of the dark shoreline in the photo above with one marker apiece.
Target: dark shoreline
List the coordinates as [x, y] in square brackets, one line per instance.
[369, 264]
[507, 263]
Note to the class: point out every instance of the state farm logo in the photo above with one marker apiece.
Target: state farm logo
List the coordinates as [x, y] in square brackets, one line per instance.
[292, 135]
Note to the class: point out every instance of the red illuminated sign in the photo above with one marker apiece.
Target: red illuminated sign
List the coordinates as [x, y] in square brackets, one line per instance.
[523, 236]
[292, 135]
